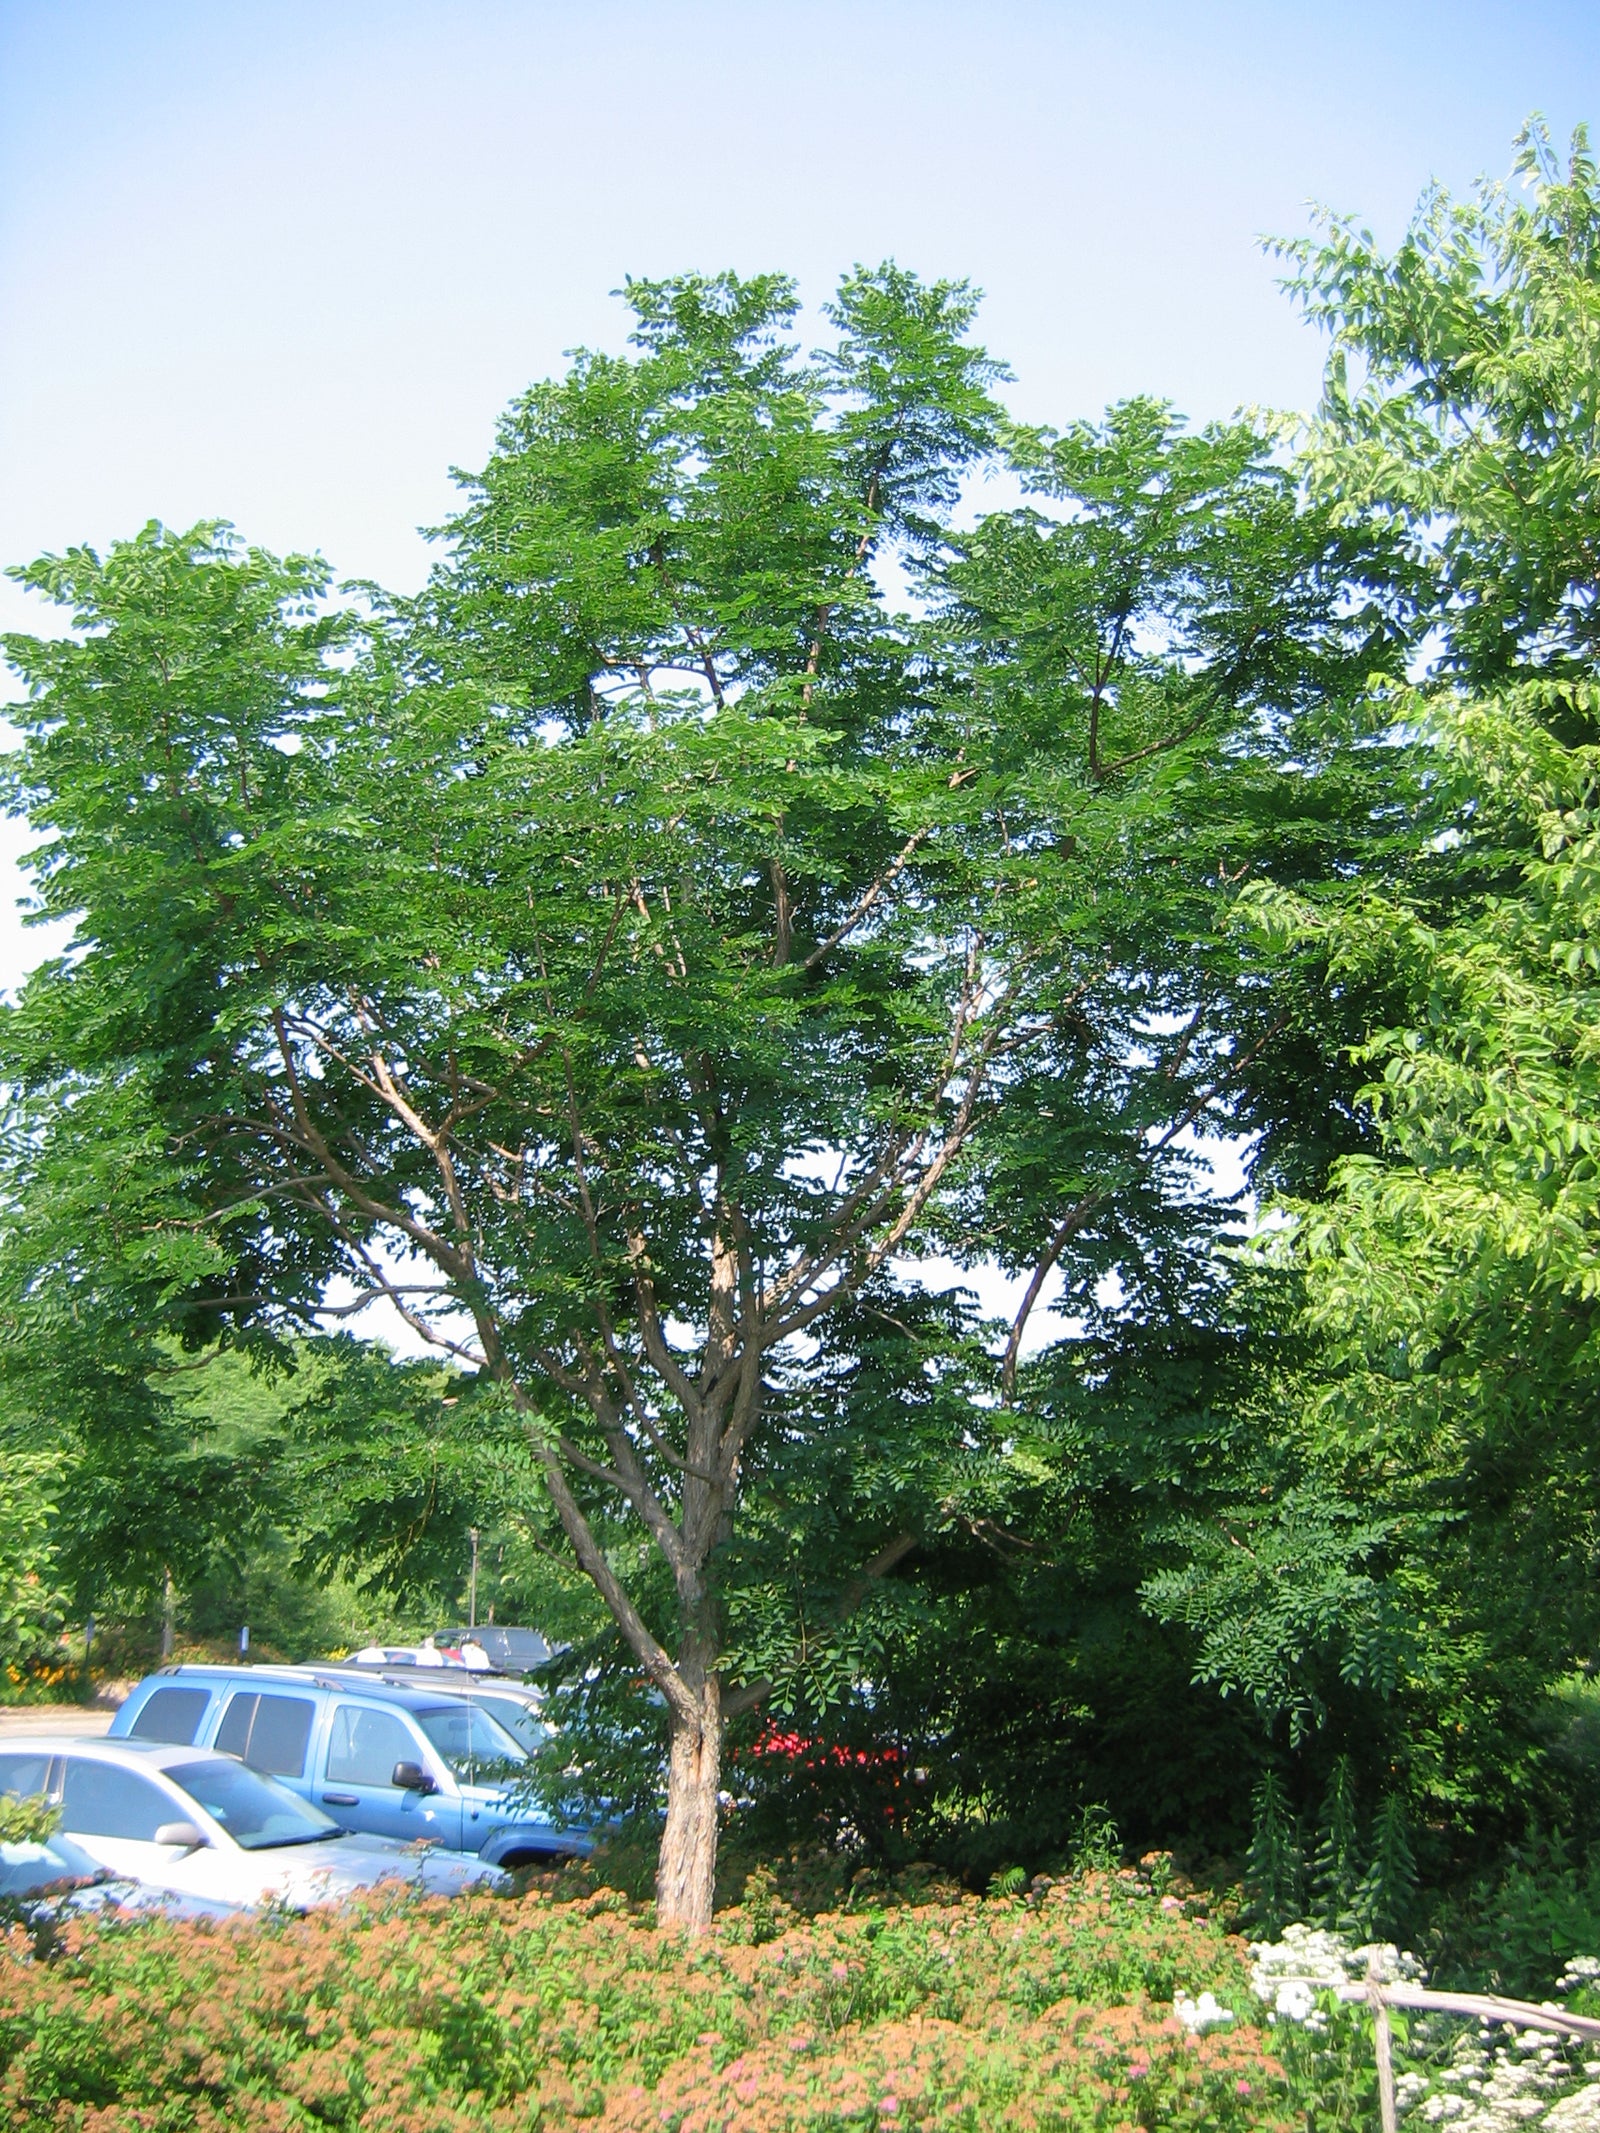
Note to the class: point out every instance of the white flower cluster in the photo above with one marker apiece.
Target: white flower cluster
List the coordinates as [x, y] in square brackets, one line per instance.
[1496, 2088]
[1202, 2014]
[1499, 2079]
[1527, 2078]
[1289, 1973]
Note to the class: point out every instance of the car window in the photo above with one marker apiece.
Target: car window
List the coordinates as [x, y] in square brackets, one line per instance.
[469, 1739]
[519, 1719]
[172, 1715]
[233, 1735]
[25, 1866]
[100, 1800]
[255, 1810]
[366, 1744]
[268, 1732]
[24, 1775]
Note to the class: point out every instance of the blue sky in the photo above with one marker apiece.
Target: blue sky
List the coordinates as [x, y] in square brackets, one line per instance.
[283, 263]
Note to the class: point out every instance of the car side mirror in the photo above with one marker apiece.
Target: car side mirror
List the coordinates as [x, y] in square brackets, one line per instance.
[189, 1835]
[411, 1777]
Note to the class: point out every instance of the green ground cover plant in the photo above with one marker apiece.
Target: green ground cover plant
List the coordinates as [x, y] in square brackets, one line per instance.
[1051, 2009]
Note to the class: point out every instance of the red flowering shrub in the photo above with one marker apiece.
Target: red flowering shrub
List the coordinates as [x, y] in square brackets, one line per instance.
[798, 1783]
[487, 2014]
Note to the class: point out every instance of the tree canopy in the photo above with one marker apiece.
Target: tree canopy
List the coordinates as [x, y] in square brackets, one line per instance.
[752, 876]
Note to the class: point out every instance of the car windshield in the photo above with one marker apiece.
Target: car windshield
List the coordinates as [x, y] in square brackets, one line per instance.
[470, 1741]
[38, 1863]
[256, 1811]
[519, 1719]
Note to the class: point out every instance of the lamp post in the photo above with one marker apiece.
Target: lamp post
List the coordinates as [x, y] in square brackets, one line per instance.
[472, 1588]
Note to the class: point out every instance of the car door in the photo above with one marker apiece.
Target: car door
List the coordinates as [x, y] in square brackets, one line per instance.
[115, 1813]
[364, 1743]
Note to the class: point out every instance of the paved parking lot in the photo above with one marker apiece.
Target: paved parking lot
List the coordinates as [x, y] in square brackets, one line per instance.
[22, 1719]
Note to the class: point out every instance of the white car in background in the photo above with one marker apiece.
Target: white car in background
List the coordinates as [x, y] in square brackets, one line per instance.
[207, 1826]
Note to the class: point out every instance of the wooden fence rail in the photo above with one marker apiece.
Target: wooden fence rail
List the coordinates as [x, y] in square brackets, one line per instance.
[1520, 2014]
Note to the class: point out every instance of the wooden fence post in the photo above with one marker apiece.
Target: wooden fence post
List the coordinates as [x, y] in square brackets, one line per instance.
[1383, 2050]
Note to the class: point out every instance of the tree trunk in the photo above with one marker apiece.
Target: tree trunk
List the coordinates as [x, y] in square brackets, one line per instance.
[686, 1870]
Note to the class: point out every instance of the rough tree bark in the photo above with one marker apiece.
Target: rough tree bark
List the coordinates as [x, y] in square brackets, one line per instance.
[687, 1866]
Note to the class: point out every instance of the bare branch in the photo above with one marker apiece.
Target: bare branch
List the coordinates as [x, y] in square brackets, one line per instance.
[1172, 740]
[657, 1352]
[1077, 1215]
[782, 912]
[871, 1198]
[926, 1185]
[367, 1297]
[394, 1293]
[617, 909]
[1069, 1225]
[312, 1142]
[865, 903]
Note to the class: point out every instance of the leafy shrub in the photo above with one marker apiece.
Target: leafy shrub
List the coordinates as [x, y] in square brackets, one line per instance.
[25, 1821]
[1519, 1927]
[840, 1784]
[413, 2017]
[30, 1606]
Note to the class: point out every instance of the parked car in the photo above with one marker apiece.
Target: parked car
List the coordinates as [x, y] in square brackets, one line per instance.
[393, 1655]
[425, 1655]
[384, 1760]
[516, 1705]
[45, 1877]
[493, 1647]
[509, 1650]
[203, 1825]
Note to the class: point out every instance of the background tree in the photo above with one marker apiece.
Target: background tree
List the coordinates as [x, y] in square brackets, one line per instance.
[323, 1496]
[1433, 1512]
[30, 1598]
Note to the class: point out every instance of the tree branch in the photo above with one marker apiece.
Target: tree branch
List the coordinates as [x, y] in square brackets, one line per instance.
[736, 1702]
[866, 902]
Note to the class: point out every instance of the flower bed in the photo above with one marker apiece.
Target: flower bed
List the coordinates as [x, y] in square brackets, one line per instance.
[532, 2013]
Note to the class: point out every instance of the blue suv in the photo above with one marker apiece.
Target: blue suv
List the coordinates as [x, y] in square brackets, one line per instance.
[389, 1761]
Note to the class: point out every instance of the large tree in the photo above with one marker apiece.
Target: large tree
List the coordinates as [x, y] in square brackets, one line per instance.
[624, 957]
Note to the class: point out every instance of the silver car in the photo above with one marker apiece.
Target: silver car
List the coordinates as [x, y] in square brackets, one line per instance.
[203, 1825]
[51, 1877]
